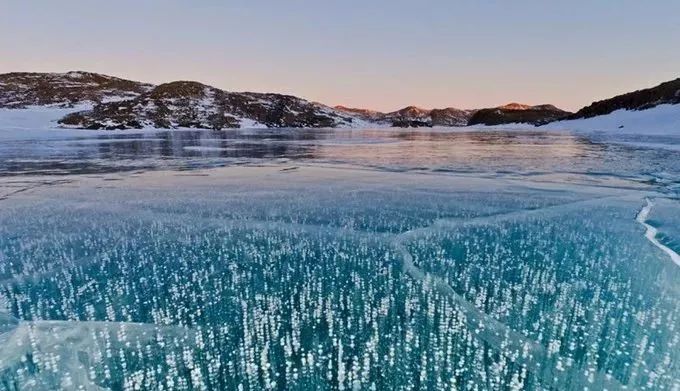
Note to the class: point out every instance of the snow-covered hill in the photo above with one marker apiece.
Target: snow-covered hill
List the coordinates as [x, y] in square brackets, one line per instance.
[186, 104]
[654, 110]
[659, 120]
[94, 101]
[664, 93]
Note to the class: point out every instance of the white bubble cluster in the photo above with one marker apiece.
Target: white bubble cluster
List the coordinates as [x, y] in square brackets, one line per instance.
[361, 290]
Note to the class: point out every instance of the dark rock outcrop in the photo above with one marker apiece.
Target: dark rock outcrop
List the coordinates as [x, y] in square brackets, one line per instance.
[664, 93]
[517, 113]
[450, 117]
[410, 123]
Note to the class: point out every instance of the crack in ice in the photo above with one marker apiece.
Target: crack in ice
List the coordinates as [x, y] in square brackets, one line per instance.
[498, 335]
[651, 231]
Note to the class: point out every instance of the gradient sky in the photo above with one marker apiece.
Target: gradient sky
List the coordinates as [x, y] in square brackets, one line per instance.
[374, 54]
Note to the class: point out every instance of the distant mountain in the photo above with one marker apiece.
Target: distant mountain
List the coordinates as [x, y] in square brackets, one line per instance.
[21, 89]
[515, 106]
[664, 93]
[364, 114]
[412, 116]
[517, 113]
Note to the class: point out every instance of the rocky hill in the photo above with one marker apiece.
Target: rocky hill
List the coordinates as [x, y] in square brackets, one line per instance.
[116, 103]
[450, 116]
[412, 116]
[664, 93]
[22, 89]
[187, 104]
[517, 113]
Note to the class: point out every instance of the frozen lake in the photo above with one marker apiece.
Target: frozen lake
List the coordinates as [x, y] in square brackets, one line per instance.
[339, 259]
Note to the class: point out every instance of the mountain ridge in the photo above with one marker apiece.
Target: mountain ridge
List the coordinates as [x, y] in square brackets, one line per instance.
[413, 116]
[107, 102]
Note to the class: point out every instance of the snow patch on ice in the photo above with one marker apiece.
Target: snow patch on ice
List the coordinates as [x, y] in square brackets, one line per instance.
[247, 123]
[36, 117]
[40, 122]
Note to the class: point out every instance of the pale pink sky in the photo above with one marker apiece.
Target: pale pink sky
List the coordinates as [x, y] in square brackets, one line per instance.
[381, 55]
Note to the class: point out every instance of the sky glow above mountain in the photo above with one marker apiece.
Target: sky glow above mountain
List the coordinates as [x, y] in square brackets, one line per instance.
[381, 55]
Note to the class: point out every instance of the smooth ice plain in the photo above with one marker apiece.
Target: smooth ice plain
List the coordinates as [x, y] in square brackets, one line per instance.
[344, 260]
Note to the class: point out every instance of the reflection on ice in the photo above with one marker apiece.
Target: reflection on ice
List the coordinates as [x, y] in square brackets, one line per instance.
[523, 153]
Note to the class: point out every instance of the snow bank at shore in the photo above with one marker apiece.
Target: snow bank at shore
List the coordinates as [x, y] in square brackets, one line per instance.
[659, 120]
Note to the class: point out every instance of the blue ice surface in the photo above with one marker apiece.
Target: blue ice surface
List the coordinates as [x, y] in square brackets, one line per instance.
[321, 259]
